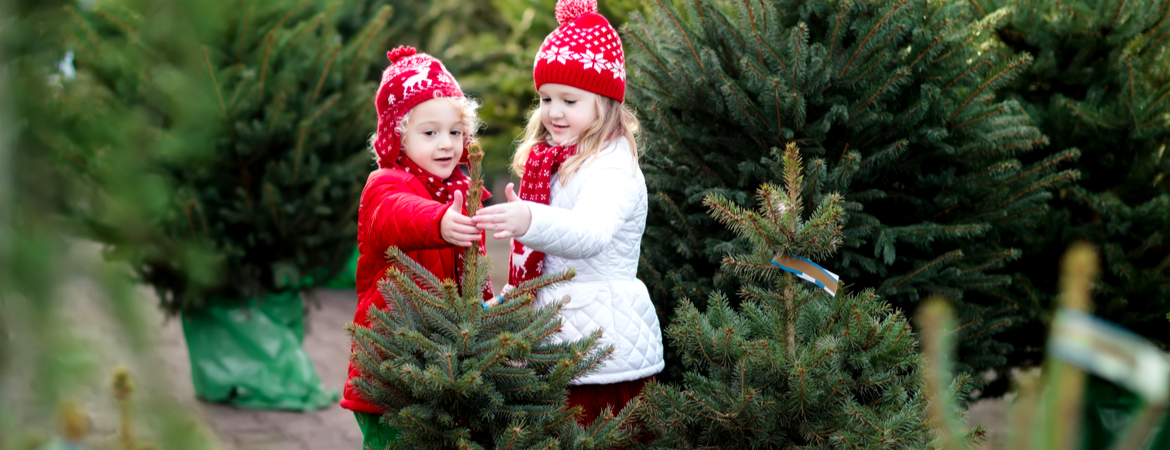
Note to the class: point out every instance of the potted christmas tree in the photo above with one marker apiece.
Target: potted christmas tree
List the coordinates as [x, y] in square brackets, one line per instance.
[267, 195]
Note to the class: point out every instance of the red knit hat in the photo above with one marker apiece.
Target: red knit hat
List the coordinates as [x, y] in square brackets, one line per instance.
[585, 52]
[412, 78]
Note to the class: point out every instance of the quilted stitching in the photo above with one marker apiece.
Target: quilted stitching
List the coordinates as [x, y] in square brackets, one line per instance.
[594, 224]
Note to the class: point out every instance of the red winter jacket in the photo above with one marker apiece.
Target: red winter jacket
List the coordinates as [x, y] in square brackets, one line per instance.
[395, 210]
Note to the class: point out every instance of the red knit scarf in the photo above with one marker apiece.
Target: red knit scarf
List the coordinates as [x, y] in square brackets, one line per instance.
[543, 161]
[443, 191]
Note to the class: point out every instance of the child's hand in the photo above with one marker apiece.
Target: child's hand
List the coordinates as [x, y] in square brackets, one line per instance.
[457, 228]
[510, 219]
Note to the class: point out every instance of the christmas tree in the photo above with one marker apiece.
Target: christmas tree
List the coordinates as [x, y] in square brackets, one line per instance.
[452, 372]
[792, 366]
[269, 192]
[1100, 84]
[893, 105]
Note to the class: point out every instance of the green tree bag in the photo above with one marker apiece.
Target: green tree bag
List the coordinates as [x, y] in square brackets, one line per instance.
[1109, 410]
[251, 356]
[347, 278]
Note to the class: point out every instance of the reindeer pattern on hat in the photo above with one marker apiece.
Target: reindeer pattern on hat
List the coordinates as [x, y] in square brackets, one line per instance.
[410, 79]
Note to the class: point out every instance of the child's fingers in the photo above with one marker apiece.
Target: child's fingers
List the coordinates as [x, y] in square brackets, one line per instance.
[509, 194]
[460, 219]
[463, 239]
[457, 202]
[490, 219]
[502, 235]
[490, 210]
[464, 229]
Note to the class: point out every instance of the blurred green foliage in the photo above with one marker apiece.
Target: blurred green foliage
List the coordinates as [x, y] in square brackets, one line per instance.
[267, 187]
[1099, 386]
[44, 360]
[1101, 85]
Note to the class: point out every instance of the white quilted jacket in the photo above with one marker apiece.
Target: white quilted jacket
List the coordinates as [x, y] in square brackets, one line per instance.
[594, 224]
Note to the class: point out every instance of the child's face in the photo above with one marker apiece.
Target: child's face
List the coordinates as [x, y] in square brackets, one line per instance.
[566, 111]
[434, 137]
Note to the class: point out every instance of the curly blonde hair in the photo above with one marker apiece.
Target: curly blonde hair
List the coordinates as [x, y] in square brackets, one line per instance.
[468, 111]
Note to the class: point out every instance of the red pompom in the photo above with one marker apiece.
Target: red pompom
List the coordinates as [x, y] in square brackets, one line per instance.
[570, 10]
[399, 53]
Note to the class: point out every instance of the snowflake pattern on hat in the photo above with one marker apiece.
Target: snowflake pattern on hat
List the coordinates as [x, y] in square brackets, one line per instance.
[566, 38]
[585, 52]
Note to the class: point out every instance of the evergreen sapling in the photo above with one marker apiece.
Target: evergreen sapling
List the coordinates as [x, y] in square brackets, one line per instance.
[454, 374]
[791, 366]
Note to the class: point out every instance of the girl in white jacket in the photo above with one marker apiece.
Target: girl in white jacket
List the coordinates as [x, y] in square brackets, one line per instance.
[582, 204]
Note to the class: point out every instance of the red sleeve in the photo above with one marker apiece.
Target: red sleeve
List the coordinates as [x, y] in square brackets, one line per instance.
[399, 217]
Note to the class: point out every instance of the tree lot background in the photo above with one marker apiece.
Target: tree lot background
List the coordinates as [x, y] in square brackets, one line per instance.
[1096, 82]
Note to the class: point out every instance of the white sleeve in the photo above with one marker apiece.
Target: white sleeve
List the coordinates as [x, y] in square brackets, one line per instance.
[608, 198]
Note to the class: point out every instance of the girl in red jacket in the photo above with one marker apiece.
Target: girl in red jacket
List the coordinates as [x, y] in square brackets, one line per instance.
[415, 200]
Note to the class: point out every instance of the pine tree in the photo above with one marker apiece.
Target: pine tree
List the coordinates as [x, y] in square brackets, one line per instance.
[791, 367]
[1101, 85]
[453, 373]
[892, 103]
[269, 192]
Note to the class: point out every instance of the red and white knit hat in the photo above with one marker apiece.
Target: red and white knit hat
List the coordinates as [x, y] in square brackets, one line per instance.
[584, 52]
[411, 78]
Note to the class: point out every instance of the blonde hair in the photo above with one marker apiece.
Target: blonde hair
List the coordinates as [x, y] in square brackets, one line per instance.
[613, 121]
[467, 107]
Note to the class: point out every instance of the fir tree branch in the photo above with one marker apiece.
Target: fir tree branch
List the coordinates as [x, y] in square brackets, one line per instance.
[1077, 12]
[775, 57]
[1116, 16]
[837, 28]
[646, 50]
[367, 36]
[321, 79]
[1042, 185]
[993, 113]
[89, 33]
[970, 69]
[304, 129]
[718, 416]
[949, 256]
[861, 45]
[130, 32]
[214, 81]
[246, 23]
[789, 316]
[679, 216]
[1022, 60]
[683, 32]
